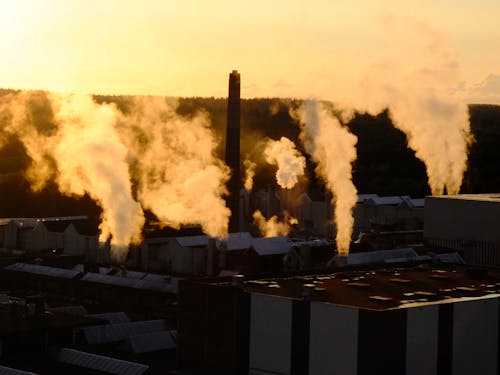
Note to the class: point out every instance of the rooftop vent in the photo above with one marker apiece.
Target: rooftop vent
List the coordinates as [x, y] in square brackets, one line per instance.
[359, 284]
[400, 281]
[238, 280]
[381, 299]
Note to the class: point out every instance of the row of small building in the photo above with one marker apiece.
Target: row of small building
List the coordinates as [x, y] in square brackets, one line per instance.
[463, 223]
[41, 332]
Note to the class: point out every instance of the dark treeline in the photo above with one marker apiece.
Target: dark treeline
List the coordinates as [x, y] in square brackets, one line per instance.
[384, 166]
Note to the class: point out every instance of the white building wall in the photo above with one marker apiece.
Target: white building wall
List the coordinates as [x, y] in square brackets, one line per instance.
[422, 340]
[333, 345]
[475, 337]
[270, 334]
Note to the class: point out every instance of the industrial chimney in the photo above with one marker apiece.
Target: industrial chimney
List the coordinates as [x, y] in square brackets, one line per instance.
[233, 150]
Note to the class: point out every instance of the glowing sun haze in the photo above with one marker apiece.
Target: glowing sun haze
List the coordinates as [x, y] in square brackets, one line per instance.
[186, 48]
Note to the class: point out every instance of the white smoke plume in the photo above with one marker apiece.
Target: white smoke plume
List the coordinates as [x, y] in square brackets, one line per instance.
[83, 151]
[290, 162]
[423, 101]
[179, 177]
[273, 227]
[333, 148]
[249, 174]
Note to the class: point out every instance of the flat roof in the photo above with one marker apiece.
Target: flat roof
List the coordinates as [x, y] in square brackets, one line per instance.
[488, 197]
[387, 288]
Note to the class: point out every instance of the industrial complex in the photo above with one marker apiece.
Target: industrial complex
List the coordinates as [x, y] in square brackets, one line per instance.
[418, 293]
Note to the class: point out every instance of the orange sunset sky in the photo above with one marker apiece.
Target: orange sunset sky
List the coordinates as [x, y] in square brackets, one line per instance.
[287, 48]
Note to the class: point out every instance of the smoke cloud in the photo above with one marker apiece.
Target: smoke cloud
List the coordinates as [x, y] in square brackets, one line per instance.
[179, 177]
[290, 162]
[333, 148]
[77, 144]
[96, 149]
[249, 174]
[424, 101]
[273, 227]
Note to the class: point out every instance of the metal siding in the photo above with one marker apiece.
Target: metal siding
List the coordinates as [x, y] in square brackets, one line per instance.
[465, 224]
[270, 333]
[475, 337]
[333, 336]
[422, 340]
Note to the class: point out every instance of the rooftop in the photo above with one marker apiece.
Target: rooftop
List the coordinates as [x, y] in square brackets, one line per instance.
[489, 197]
[386, 288]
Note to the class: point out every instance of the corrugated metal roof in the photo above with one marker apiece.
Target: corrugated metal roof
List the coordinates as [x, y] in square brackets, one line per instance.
[160, 286]
[312, 243]
[81, 268]
[151, 342]
[97, 362]
[157, 277]
[118, 332]
[454, 258]
[107, 279]
[132, 274]
[418, 202]
[239, 241]
[380, 256]
[364, 197]
[156, 283]
[20, 222]
[387, 201]
[193, 241]
[112, 317]
[71, 310]
[272, 245]
[43, 270]
[235, 241]
[12, 371]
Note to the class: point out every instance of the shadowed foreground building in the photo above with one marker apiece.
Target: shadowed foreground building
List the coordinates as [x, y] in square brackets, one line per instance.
[422, 320]
[467, 223]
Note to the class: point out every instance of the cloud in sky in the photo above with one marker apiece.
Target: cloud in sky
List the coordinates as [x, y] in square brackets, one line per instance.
[485, 92]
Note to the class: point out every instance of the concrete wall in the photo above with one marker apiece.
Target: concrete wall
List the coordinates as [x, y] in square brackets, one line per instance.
[270, 334]
[475, 337]
[333, 339]
[422, 340]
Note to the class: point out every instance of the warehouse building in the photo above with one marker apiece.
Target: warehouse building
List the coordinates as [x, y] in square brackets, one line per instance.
[468, 223]
[420, 320]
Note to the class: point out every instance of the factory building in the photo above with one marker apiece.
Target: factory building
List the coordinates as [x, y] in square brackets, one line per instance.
[201, 255]
[371, 213]
[388, 213]
[426, 319]
[467, 223]
[72, 235]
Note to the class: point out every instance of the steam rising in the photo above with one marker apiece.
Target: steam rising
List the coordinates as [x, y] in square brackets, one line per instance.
[83, 151]
[179, 177]
[273, 227]
[333, 148]
[424, 103]
[290, 162]
[249, 174]
[93, 148]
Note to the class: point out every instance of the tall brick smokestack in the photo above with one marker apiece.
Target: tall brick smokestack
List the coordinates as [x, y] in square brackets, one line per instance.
[233, 150]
